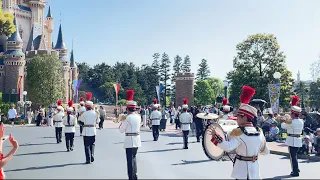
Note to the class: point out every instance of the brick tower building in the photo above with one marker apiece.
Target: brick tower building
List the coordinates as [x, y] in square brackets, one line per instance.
[184, 88]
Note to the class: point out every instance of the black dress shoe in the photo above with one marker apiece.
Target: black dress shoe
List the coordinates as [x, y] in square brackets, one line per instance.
[88, 162]
[294, 174]
[71, 149]
[92, 159]
[60, 141]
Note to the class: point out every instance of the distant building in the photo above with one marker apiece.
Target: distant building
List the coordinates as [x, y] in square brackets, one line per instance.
[184, 88]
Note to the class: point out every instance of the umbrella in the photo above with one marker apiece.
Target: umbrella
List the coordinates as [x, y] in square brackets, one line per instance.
[207, 116]
[258, 101]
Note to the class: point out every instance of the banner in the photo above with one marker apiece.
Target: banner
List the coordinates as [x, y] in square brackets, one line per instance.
[158, 93]
[77, 89]
[19, 86]
[117, 89]
[75, 83]
[274, 95]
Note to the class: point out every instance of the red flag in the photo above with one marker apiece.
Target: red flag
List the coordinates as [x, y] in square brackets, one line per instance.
[117, 88]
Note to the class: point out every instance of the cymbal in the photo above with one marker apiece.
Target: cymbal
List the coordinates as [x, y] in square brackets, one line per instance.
[207, 116]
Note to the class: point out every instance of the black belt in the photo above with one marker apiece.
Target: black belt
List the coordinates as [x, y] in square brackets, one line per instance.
[247, 158]
[69, 125]
[155, 119]
[132, 134]
[294, 135]
[88, 125]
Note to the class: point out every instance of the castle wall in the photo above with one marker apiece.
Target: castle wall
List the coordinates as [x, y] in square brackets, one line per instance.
[11, 78]
[2, 74]
[25, 27]
[184, 88]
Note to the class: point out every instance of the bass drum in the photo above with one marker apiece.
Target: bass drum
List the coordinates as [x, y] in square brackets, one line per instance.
[212, 151]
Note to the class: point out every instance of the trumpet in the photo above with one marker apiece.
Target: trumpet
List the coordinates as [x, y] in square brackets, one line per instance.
[121, 117]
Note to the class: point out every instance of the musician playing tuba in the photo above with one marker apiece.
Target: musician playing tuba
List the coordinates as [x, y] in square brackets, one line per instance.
[248, 140]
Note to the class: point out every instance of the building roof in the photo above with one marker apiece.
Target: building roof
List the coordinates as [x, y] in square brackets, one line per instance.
[60, 43]
[1, 62]
[23, 8]
[16, 35]
[72, 62]
[14, 52]
[49, 13]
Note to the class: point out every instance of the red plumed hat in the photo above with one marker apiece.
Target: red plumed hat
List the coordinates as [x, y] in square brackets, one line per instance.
[185, 101]
[130, 94]
[59, 102]
[81, 98]
[247, 94]
[295, 100]
[70, 103]
[155, 101]
[88, 96]
[225, 101]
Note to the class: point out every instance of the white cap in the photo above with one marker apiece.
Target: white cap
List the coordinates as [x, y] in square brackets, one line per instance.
[70, 109]
[226, 108]
[89, 103]
[296, 109]
[60, 108]
[247, 110]
[318, 129]
[185, 106]
[306, 137]
[268, 111]
[82, 102]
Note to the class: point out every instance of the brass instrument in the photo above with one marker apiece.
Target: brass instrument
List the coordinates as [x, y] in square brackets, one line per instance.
[121, 117]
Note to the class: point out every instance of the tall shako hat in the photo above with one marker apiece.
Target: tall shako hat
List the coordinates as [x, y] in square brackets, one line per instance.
[225, 106]
[294, 108]
[70, 104]
[88, 98]
[185, 103]
[245, 108]
[82, 101]
[59, 103]
[130, 102]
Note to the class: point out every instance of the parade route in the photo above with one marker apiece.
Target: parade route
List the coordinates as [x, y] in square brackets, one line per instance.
[40, 157]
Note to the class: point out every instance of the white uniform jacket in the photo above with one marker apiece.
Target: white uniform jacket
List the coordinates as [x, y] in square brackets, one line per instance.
[90, 119]
[245, 145]
[131, 126]
[185, 120]
[70, 128]
[155, 117]
[57, 119]
[293, 127]
[81, 110]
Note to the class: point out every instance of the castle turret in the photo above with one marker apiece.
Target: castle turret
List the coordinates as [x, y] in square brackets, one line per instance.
[62, 49]
[14, 60]
[37, 8]
[73, 73]
[49, 26]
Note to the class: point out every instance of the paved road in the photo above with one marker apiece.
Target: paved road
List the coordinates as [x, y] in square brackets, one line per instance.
[40, 157]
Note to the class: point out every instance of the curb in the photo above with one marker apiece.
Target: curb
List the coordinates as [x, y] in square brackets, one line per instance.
[313, 157]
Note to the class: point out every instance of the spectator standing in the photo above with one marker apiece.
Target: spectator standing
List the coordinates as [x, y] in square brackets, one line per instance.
[29, 116]
[260, 118]
[102, 114]
[12, 115]
[317, 142]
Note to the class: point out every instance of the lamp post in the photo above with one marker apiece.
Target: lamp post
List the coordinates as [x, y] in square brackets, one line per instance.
[24, 102]
[225, 84]
[277, 77]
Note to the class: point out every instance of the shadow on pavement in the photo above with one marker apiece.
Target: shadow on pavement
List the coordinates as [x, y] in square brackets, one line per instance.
[280, 177]
[38, 153]
[48, 137]
[163, 150]
[141, 141]
[35, 144]
[171, 135]
[185, 162]
[174, 143]
[45, 167]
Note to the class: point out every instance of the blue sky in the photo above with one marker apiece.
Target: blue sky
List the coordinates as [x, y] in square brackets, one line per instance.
[118, 30]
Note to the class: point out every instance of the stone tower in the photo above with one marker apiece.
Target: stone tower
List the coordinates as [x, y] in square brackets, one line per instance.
[49, 26]
[37, 9]
[62, 49]
[14, 60]
[73, 73]
[184, 88]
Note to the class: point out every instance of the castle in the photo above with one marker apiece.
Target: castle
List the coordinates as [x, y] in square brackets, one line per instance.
[33, 36]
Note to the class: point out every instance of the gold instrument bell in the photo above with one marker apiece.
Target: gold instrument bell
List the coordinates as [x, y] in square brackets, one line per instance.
[121, 117]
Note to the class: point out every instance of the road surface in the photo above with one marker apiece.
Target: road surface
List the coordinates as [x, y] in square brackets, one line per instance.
[40, 157]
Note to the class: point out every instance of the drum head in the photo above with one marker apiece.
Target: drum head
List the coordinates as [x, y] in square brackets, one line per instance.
[212, 151]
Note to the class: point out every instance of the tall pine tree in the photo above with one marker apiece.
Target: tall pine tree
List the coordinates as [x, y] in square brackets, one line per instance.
[203, 71]
[165, 74]
[177, 63]
[186, 65]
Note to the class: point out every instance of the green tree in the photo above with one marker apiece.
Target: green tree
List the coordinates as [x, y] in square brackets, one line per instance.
[216, 85]
[186, 65]
[6, 22]
[46, 72]
[258, 58]
[176, 69]
[314, 94]
[203, 71]
[203, 93]
[164, 73]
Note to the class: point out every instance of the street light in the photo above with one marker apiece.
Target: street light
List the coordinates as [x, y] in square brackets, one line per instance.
[277, 76]
[24, 102]
[225, 84]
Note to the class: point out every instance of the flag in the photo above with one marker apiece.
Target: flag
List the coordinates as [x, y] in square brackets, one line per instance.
[77, 89]
[75, 83]
[19, 86]
[117, 89]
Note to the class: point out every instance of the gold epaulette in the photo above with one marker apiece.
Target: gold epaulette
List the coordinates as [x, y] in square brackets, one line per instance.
[236, 132]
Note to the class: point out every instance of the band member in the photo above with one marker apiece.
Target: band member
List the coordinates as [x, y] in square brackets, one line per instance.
[89, 119]
[246, 139]
[199, 123]
[294, 129]
[131, 126]
[155, 119]
[57, 122]
[59, 103]
[69, 121]
[81, 110]
[226, 109]
[186, 120]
